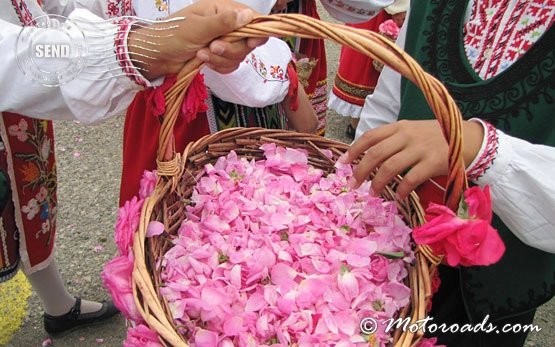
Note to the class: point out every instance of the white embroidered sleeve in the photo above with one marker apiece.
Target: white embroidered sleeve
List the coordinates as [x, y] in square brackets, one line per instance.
[104, 88]
[521, 178]
[260, 80]
[354, 11]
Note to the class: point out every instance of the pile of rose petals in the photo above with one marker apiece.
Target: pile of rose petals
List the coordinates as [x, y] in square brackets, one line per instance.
[277, 252]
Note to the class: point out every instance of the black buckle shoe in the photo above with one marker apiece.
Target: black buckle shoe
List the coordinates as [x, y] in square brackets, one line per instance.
[73, 319]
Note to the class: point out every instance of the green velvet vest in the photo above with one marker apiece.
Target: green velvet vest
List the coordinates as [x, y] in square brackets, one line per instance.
[519, 102]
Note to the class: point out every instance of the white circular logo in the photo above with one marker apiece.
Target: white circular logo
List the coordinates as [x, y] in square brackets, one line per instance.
[51, 50]
[368, 326]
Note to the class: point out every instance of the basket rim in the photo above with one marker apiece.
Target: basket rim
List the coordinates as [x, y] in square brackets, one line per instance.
[420, 272]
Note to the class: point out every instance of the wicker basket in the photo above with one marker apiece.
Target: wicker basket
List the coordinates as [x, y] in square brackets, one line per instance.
[177, 171]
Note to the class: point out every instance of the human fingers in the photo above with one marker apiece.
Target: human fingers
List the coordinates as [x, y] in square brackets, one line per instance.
[364, 143]
[428, 148]
[208, 8]
[217, 63]
[375, 156]
[204, 21]
[368, 139]
[391, 167]
[230, 50]
[224, 21]
[254, 42]
[224, 57]
[417, 175]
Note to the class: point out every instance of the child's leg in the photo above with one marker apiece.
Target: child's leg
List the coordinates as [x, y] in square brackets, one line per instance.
[56, 300]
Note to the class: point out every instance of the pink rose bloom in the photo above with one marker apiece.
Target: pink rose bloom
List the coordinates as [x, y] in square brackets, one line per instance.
[117, 279]
[429, 343]
[389, 29]
[148, 182]
[479, 203]
[378, 268]
[127, 223]
[465, 240]
[141, 336]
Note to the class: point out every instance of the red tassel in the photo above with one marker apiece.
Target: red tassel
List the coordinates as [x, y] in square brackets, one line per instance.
[155, 99]
[194, 101]
[293, 91]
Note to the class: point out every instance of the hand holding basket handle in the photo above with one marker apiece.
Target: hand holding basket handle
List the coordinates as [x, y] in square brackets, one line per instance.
[163, 48]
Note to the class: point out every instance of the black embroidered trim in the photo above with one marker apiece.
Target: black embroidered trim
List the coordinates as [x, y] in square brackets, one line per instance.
[437, 62]
[10, 271]
[505, 94]
[229, 115]
[481, 307]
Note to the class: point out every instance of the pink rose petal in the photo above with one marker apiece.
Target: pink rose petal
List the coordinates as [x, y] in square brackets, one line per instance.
[154, 228]
[206, 338]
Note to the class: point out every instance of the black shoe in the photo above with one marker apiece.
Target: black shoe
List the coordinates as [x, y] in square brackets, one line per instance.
[58, 324]
[350, 132]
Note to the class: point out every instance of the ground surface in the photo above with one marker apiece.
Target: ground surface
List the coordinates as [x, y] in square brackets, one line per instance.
[89, 162]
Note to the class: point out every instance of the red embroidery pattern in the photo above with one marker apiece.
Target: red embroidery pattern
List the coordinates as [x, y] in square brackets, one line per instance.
[319, 101]
[490, 48]
[275, 73]
[122, 53]
[119, 8]
[487, 156]
[30, 144]
[23, 13]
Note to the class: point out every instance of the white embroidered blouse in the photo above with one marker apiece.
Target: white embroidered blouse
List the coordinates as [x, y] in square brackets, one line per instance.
[109, 82]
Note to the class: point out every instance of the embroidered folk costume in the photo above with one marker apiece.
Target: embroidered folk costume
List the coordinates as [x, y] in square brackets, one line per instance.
[496, 59]
[356, 75]
[314, 51]
[261, 82]
[27, 163]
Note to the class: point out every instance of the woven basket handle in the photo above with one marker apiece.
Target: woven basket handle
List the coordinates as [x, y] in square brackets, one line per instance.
[369, 43]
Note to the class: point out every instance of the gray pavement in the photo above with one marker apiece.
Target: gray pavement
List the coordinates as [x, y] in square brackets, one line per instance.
[89, 163]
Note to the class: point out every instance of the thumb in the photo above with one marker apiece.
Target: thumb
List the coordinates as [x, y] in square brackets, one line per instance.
[225, 22]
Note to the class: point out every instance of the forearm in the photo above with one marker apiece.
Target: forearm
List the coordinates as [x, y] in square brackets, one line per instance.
[303, 119]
